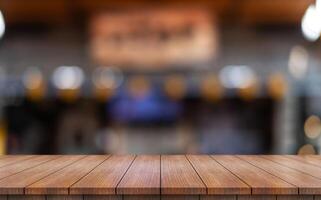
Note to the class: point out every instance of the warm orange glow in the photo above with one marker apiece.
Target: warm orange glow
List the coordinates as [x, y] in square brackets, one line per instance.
[307, 149]
[277, 86]
[138, 86]
[211, 89]
[312, 127]
[175, 87]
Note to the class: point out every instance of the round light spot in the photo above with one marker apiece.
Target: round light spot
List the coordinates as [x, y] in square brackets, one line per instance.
[175, 87]
[312, 127]
[68, 77]
[138, 86]
[307, 149]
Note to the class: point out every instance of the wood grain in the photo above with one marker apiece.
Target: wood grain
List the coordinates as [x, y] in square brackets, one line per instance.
[296, 164]
[143, 177]
[16, 183]
[102, 197]
[306, 183]
[180, 197]
[217, 179]
[167, 177]
[64, 197]
[311, 159]
[60, 181]
[178, 177]
[295, 197]
[256, 197]
[141, 197]
[23, 165]
[8, 160]
[218, 197]
[23, 197]
[105, 178]
[260, 181]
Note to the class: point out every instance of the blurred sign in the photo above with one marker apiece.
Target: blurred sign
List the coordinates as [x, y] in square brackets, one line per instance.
[153, 38]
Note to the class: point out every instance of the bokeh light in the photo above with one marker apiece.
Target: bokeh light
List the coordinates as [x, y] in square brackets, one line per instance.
[298, 62]
[307, 149]
[175, 87]
[138, 86]
[312, 127]
[68, 77]
[237, 76]
[107, 77]
[2, 25]
[311, 23]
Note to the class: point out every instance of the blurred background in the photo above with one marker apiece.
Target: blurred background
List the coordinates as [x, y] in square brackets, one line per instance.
[166, 76]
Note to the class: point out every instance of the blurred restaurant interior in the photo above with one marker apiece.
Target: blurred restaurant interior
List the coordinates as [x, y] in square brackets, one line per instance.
[166, 76]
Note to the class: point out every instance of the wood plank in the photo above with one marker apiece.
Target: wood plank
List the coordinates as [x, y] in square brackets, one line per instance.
[64, 197]
[311, 159]
[143, 177]
[296, 164]
[260, 181]
[102, 197]
[218, 197]
[4, 156]
[60, 181]
[307, 184]
[295, 197]
[180, 197]
[141, 197]
[256, 197]
[104, 179]
[8, 160]
[23, 197]
[178, 177]
[16, 183]
[3, 197]
[217, 179]
[25, 164]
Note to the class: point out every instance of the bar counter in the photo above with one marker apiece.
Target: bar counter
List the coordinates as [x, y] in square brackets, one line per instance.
[168, 177]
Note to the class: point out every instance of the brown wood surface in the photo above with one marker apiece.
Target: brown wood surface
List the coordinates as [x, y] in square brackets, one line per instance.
[143, 177]
[23, 197]
[142, 197]
[16, 183]
[102, 197]
[218, 197]
[179, 177]
[260, 181]
[217, 179]
[180, 197]
[295, 197]
[105, 178]
[257, 197]
[311, 159]
[23, 165]
[64, 197]
[7, 160]
[60, 181]
[307, 184]
[296, 164]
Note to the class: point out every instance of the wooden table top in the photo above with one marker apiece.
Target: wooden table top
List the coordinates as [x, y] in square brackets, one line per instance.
[160, 175]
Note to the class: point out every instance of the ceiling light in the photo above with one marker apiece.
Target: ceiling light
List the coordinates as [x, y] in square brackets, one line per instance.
[311, 22]
[2, 25]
